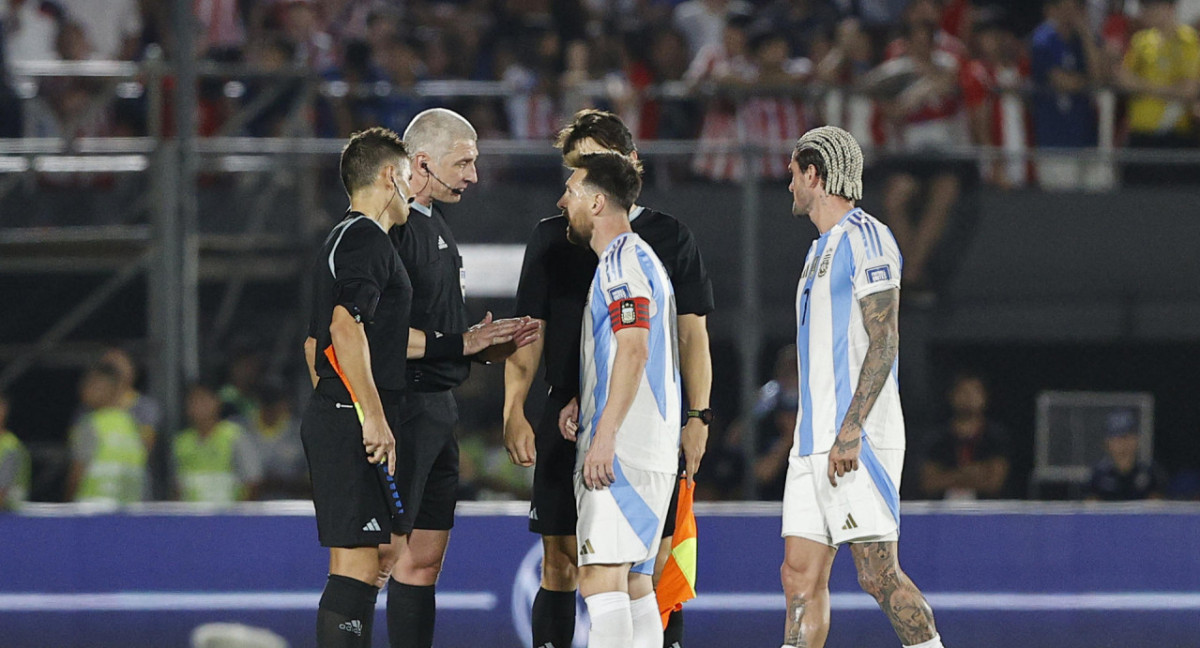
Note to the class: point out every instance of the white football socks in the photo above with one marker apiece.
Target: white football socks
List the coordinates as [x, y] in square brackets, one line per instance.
[612, 621]
[647, 622]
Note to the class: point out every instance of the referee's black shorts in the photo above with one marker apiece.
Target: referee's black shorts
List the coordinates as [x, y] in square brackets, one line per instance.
[351, 495]
[427, 462]
[552, 507]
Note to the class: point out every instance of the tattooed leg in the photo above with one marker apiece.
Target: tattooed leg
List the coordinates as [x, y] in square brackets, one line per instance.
[880, 576]
[805, 575]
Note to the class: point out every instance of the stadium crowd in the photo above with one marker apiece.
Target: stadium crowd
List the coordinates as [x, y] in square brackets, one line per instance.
[926, 75]
[910, 77]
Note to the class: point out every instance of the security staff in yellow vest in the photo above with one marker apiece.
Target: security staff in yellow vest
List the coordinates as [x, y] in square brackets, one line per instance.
[108, 458]
[215, 459]
[15, 466]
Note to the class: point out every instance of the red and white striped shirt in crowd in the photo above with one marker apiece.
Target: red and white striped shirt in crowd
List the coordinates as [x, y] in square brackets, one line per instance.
[221, 23]
[762, 120]
[984, 86]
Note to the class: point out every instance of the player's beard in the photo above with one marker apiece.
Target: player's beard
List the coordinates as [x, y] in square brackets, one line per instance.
[575, 236]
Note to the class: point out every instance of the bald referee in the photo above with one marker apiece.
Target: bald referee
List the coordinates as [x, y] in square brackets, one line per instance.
[843, 476]
[441, 348]
[356, 359]
[554, 284]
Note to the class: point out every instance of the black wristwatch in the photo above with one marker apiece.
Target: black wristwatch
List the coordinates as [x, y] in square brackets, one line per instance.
[705, 415]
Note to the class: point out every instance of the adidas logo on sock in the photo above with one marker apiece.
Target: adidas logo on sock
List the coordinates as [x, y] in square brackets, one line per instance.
[850, 523]
[353, 625]
[373, 525]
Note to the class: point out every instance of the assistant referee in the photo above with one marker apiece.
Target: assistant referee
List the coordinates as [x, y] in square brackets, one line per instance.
[441, 348]
[356, 358]
[555, 276]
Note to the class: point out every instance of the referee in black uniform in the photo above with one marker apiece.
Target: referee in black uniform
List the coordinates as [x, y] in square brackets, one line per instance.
[441, 348]
[355, 352]
[553, 288]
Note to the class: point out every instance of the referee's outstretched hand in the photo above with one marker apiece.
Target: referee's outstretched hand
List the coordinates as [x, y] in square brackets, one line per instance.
[489, 332]
[379, 442]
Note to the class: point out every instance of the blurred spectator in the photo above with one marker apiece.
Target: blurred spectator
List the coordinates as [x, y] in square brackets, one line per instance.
[301, 22]
[30, 30]
[16, 468]
[995, 110]
[843, 63]
[777, 114]
[144, 409]
[360, 108]
[222, 29]
[1161, 72]
[215, 459]
[773, 424]
[11, 119]
[383, 25]
[241, 384]
[702, 22]
[275, 433]
[533, 113]
[801, 22]
[1121, 475]
[1066, 66]
[927, 121]
[113, 27]
[927, 14]
[725, 68]
[486, 472]
[969, 459]
[401, 68]
[108, 457]
[662, 117]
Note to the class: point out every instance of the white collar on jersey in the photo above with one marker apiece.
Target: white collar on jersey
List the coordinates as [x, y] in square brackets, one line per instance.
[428, 211]
[637, 211]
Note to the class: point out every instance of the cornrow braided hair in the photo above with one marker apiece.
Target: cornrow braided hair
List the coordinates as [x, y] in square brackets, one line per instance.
[842, 156]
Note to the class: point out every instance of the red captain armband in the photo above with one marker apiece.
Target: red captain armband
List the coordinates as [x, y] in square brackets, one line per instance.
[632, 312]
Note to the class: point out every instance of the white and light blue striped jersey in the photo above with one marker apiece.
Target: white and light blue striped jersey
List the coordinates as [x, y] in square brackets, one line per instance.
[648, 438]
[857, 257]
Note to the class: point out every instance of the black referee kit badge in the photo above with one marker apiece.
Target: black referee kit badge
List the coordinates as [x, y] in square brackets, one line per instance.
[628, 312]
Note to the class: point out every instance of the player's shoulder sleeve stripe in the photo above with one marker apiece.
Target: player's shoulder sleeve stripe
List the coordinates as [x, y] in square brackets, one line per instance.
[868, 235]
[337, 240]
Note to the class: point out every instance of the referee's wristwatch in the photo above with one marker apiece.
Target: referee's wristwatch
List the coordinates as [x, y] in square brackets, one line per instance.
[705, 415]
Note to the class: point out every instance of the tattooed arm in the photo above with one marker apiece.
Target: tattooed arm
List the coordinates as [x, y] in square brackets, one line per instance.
[880, 314]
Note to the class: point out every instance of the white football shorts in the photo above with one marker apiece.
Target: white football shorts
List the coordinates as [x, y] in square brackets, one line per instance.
[624, 522]
[863, 507]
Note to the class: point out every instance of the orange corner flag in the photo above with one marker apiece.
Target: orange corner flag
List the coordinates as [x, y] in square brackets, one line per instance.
[678, 582]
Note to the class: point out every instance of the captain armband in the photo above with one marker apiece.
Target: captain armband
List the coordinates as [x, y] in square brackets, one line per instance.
[632, 312]
[359, 298]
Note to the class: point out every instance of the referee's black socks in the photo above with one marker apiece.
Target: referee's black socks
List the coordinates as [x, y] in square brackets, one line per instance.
[673, 634]
[346, 613]
[553, 618]
[411, 611]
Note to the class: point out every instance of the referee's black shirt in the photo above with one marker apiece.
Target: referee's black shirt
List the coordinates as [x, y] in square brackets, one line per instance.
[429, 252]
[555, 276]
[357, 252]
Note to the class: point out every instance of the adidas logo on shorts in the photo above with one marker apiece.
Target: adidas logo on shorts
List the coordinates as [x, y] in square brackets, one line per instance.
[353, 625]
[586, 548]
[373, 525]
[533, 516]
[850, 523]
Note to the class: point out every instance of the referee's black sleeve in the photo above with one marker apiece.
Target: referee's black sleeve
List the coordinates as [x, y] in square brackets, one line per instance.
[693, 288]
[533, 289]
[363, 254]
